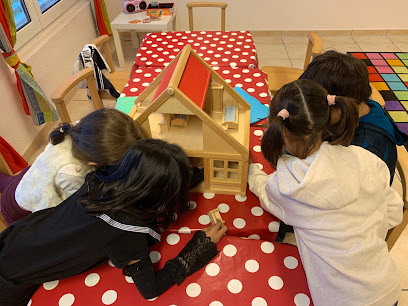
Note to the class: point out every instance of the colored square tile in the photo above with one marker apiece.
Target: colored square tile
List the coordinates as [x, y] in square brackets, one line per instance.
[401, 95]
[384, 69]
[359, 55]
[379, 62]
[388, 95]
[404, 103]
[373, 55]
[406, 84]
[389, 55]
[400, 69]
[374, 77]
[394, 62]
[393, 105]
[399, 116]
[403, 127]
[371, 69]
[403, 77]
[397, 86]
[403, 55]
[380, 85]
[405, 62]
[390, 77]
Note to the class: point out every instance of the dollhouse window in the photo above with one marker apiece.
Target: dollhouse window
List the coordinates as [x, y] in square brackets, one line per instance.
[227, 170]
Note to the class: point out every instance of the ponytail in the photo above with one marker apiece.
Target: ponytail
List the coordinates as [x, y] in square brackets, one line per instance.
[273, 143]
[342, 132]
[58, 134]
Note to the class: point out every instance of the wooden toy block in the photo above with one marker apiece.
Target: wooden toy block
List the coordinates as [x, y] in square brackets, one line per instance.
[215, 216]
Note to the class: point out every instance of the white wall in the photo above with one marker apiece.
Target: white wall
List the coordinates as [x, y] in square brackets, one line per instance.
[51, 56]
[293, 15]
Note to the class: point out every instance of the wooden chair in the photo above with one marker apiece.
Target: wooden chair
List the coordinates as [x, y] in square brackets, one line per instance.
[220, 5]
[60, 94]
[279, 76]
[402, 166]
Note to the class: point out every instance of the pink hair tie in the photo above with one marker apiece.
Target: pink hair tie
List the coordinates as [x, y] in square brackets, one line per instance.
[283, 113]
[331, 99]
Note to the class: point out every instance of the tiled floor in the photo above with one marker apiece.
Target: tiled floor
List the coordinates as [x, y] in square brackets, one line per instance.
[289, 51]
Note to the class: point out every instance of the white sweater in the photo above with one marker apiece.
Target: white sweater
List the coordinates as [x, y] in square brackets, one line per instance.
[341, 206]
[53, 177]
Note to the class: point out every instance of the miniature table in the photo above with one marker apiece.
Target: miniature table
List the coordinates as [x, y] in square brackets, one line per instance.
[218, 48]
[122, 23]
[245, 272]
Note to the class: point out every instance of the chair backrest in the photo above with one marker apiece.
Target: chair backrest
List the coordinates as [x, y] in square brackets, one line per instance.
[102, 43]
[314, 48]
[60, 94]
[402, 167]
[220, 5]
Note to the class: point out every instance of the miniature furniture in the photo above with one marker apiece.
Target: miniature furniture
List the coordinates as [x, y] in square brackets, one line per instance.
[245, 272]
[402, 166]
[192, 5]
[217, 48]
[59, 96]
[279, 76]
[189, 90]
[126, 22]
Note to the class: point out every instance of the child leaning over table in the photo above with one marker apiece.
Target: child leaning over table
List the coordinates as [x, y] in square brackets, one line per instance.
[99, 139]
[337, 198]
[115, 215]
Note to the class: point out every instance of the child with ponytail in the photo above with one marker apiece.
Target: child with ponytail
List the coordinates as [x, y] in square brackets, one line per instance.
[99, 139]
[336, 197]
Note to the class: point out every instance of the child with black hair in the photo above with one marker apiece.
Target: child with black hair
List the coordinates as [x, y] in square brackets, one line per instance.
[336, 197]
[345, 75]
[115, 215]
[99, 139]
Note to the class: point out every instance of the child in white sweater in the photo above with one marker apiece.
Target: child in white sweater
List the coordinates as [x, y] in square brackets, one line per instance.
[337, 198]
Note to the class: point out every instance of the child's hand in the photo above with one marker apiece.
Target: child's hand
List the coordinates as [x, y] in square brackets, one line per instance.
[216, 231]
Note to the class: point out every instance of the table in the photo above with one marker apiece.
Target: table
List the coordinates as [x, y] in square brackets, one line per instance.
[121, 23]
[218, 48]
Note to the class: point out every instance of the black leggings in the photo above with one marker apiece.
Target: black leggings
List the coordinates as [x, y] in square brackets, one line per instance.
[15, 295]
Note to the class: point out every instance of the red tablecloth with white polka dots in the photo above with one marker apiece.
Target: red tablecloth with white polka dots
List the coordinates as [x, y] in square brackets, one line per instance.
[245, 272]
[221, 49]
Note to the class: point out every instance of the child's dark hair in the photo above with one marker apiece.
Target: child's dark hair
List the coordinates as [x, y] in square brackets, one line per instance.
[102, 136]
[308, 121]
[341, 75]
[150, 181]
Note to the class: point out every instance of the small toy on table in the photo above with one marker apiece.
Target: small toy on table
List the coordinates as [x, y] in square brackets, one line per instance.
[215, 216]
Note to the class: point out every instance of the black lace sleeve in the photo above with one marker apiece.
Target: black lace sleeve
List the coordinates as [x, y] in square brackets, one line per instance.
[195, 255]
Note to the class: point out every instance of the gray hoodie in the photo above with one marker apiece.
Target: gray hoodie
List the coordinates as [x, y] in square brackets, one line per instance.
[341, 206]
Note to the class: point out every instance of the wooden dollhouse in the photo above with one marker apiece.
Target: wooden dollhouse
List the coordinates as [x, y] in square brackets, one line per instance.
[191, 105]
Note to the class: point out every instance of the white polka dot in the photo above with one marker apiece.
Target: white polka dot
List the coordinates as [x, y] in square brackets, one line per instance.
[225, 71]
[166, 64]
[214, 63]
[111, 263]
[145, 84]
[245, 70]
[208, 195]
[173, 239]
[248, 80]
[204, 219]
[158, 70]
[251, 265]
[193, 290]
[216, 303]
[257, 211]
[243, 60]
[212, 269]
[227, 52]
[29, 302]
[151, 300]
[239, 223]
[263, 95]
[258, 132]
[236, 76]
[50, 285]
[235, 56]
[133, 89]
[275, 282]
[301, 299]
[238, 85]
[254, 236]
[273, 226]
[234, 286]
[109, 297]
[136, 80]
[250, 90]
[192, 204]
[267, 247]
[129, 279]
[92, 279]
[245, 53]
[257, 148]
[290, 262]
[258, 301]
[160, 60]
[257, 74]
[147, 75]
[259, 165]
[143, 58]
[154, 256]
[159, 49]
[223, 207]
[143, 48]
[139, 71]
[232, 64]
[260, 84]
[227, 80]
[216, 68]
[66, 300]
[229, 250]
[240, 198]
[184, 230]
[123, 95]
